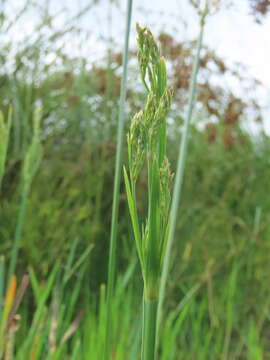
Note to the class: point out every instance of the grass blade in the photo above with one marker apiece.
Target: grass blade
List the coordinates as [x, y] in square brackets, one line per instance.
[117, 176]
[180, 170]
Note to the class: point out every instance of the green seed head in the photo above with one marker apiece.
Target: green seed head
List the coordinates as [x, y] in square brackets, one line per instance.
[147, 141]
[4, 136]
[148, 58]
[136, 148]
[164, 105]
[34, 154]
[166, 179]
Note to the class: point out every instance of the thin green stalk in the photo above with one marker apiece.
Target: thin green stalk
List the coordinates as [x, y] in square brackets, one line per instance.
[149, 328]
[177, 192]
[2, 283]
[116, 190]
[4, 136]
[30, 165]
[109, 70]
[147, 143]
[18, 235]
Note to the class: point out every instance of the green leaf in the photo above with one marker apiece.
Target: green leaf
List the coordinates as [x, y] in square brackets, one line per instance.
[4, 139]
[152, 260]
[134, 217]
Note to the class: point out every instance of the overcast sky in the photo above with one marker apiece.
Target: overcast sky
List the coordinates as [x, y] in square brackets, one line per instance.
[233, 34]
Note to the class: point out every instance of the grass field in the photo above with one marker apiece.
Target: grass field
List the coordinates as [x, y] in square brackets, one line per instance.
[128, 230]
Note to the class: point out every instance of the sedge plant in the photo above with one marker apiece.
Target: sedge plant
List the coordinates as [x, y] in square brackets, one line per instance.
[147, 144]
[116, 190]
[4, 136]
[30, 165]
[182, 154]
[10, 301]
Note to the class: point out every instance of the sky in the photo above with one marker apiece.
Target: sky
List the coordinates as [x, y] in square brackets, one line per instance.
[232, 33]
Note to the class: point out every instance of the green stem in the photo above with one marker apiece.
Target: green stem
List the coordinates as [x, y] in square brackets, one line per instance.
[149, 328]
[18, 234]
[180, 172]
[109, 75]
[2, 284]
[117, 176]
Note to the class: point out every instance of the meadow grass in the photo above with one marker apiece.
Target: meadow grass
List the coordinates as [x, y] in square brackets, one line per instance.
[147, 138]
[30, 166]
[217, 297]
[147, 142]
[180, 170]
[4, 135]
[207, 321]
[116, 190]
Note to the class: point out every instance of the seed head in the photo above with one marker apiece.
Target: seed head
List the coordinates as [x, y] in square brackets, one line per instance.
[205, 7]
[148, 57]
[136, 147]
[4, 136]
[34, 154]
[166, 179]
[147, 139]
[164, 105]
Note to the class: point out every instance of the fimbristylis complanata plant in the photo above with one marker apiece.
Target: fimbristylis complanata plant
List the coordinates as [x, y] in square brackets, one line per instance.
[203, 11]
[4, 136]
[116, 189]
[31, 163]
[147, 144]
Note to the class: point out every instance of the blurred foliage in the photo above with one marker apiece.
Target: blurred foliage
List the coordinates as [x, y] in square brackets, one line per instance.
[260, 9]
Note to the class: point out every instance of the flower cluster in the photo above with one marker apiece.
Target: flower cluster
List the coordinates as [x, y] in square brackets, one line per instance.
[147, 144]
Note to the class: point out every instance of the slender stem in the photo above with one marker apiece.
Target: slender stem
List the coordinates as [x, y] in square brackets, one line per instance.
[18, 234]
[180, 172]
[117, 176]
[149, 328]
[109, 85]
[2, 283]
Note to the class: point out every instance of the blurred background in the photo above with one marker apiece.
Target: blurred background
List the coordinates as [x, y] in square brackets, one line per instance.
[67, 56]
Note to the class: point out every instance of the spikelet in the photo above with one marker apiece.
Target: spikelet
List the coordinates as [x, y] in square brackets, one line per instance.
[4, 139]
[34, 154]
[205, 7]
[147, 143]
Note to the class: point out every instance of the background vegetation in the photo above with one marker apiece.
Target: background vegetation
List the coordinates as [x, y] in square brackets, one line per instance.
[218, 298]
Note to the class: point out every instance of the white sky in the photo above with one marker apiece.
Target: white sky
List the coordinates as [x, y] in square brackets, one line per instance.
[233, 34]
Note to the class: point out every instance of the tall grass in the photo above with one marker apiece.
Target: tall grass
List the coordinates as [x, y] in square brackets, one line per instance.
[147, 143]
[152, 243]
[117, 178]
[222, 260]
[177, 192]
[55, 313]
[30, 166]
[4, 136]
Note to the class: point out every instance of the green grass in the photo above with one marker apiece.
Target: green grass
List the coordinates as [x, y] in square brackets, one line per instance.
[147, 140]
[4, 134]
[180, 169]
[54, 276]
[116, 190]
[204, 315]
[30, 166]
